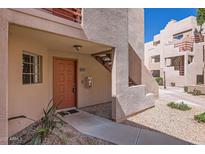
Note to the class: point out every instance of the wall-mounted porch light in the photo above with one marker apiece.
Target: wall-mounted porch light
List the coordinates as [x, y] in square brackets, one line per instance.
[77, 47]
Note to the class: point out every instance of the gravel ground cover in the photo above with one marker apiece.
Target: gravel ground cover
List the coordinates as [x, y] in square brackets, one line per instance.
[63, 135]
[161, 118]
[180, 124]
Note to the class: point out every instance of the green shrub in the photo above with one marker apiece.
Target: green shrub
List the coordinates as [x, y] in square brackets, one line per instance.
[196, 92]
[185, 89]
[199, 82]
[159, 80]
[200, 117]
[179, 106]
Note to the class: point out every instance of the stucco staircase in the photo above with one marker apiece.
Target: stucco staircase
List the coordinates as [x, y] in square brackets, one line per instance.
[142, 96]
[179, 65]
[105, 58]
[142, 88]
[146, 78]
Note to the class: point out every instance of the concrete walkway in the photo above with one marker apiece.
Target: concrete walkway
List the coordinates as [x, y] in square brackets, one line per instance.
[122, 134]
[177, 94]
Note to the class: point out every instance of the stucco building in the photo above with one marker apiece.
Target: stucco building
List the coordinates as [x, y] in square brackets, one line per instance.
[79, 57]
[177, 53]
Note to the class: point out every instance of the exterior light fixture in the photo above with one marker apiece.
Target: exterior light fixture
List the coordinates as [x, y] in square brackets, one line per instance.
[77, 47]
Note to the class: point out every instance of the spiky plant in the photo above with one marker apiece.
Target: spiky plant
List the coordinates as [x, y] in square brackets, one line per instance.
[48, 122]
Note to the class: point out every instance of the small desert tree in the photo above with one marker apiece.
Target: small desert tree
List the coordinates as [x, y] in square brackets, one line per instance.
[200, 18]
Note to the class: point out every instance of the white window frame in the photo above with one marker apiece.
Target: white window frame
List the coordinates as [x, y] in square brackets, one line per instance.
[37, 73]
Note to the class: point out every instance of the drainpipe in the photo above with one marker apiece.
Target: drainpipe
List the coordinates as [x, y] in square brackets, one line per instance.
[186, 68]
[203, 73]
[165, 86]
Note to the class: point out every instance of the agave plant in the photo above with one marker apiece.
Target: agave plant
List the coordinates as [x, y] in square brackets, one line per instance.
[49, 121]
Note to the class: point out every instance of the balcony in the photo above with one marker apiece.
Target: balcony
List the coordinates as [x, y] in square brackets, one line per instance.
[197, 38]
[72, 14]
[187, 43]
[184, 46]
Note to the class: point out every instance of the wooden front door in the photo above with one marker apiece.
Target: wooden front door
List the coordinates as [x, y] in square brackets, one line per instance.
[64, 83]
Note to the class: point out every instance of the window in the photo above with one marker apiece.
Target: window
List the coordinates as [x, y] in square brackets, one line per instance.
[156, 43]
[32, 68]
[155, 73]
[199, 79]
[190, 59]
[178, 37]
[155, 59]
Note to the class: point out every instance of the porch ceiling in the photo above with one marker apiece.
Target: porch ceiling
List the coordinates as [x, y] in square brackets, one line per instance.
[57, 42]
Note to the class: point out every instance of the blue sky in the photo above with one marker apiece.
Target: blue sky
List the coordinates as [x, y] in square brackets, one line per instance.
[156, 19]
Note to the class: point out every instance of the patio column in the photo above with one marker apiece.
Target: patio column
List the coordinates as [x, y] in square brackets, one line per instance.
[3, 78]
[204, 62]
[120, 72]
[110, 26]
[119, 79]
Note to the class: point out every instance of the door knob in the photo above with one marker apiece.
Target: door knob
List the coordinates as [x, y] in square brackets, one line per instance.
[74, 89]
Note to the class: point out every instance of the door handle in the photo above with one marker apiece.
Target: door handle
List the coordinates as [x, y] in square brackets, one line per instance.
[74, 89]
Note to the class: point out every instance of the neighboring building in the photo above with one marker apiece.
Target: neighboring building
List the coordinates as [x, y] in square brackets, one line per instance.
[79, 57]
[177, 52]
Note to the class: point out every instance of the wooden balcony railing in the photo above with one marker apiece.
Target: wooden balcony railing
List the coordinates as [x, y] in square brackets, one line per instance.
[73, 14]
[187, 44]
[184, 46]
[197, 38]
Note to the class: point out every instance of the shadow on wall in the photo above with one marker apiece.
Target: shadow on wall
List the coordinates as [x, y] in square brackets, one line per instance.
[140, 74]
[135, 71]
[130, 102]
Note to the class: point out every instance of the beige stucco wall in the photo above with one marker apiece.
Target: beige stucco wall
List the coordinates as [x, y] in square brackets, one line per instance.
[196, 67]
[29, 100]
[119, 28]
[136, 31]
[3, 78]
[135, 71]
[173, 76]
[108, 26]
[149, 52]
[166, 49]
